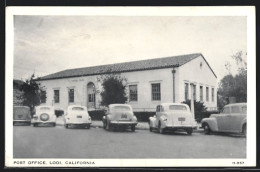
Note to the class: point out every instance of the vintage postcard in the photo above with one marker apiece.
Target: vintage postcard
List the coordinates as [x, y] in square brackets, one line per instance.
[130, 87]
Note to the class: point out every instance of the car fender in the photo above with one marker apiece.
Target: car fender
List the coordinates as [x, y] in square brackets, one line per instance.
[152, 122]
[212, 122]
[162, 120]
[242, 123]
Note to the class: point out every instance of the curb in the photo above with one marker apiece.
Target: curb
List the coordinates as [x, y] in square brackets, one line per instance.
[137, 128]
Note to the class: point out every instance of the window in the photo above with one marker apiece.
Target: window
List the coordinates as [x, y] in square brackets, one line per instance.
[212, 94]
[235, 109]
[177, 107]
[71, 95]
[201, 93]
[43, 96]
[91, 98]
[207, 94]
[78, 108]
[226, 110]
[133, 92]
[121, 108]
[194, 92]
[186, 88]
[156, 91]
[56, 96]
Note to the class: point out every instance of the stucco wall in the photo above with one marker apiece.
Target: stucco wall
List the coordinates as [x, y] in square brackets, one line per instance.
[191, 72]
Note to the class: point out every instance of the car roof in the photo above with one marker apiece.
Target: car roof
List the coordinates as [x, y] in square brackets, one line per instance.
[236, 104]
[38, 107]
[167, 104]
[72, 106]
[113, 105]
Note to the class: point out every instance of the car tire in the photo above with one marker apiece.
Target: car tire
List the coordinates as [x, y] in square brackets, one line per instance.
[206, 129]
[189, 131]
[107, 126]
[244, 130]
[133, 128]
[161, 130]
[66, 126]
[54, 124]
[104, 125]
[150, 128]
[88, 126]
[35, 125]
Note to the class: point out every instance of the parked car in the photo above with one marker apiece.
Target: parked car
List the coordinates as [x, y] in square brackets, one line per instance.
[77, 115]
[44, 115]
[21, 115]
[119, 115]
[172, 116]
[232, 119]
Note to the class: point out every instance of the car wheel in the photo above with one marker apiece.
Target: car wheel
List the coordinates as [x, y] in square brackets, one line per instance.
[54, 124]
[161, 130]
[35, 125]
[66, 125]
[189, 131]
[244, 130]
[88, 126]
[206, 129]
[104, 125]
[132, 128]
[150, 128]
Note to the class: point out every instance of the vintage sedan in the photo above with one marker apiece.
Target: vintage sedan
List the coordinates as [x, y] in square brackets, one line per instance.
[232, 119]
[172, 116]
[44, 115]
[77, 115]
[21, 115]
[119, 115]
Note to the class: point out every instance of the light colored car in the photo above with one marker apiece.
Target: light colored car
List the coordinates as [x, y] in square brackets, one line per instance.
[172, 116]
[119, 115]
[77, 115]
[44, 115]
[232, 119]
[21, 115]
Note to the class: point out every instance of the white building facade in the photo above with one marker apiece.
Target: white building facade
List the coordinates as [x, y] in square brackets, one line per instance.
[149, 82]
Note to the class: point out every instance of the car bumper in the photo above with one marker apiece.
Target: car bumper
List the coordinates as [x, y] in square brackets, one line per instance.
[123, 123]
[179, 127]
[78, 123]
[21, 122]
[41, 122]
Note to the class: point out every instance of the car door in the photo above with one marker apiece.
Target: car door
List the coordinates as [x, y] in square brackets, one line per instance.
[222, 117]
[235, 119]
[227, 124]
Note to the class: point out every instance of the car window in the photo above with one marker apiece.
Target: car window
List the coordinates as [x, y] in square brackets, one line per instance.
[235, 109]
[226, 110]
[244, 109]
[45, 108]
[177, 107]
[21, 110]
[121, 108]
[78, 108]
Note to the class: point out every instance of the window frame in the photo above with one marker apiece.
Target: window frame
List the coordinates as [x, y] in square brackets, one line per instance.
[201, 92]
[207, 94]
[212, 94]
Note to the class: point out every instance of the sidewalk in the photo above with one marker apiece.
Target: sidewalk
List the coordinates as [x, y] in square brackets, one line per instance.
[139, 126]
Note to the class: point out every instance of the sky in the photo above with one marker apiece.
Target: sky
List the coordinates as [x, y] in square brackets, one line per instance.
[49, 44]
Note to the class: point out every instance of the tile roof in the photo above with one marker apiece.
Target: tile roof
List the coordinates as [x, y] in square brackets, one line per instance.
[165, 62]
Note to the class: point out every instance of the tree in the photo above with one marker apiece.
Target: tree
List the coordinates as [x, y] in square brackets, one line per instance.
[32, 93]
[114, 89]
[234, 85]
[199, 109]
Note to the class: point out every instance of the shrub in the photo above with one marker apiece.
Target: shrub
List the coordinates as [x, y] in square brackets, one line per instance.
[97, 114]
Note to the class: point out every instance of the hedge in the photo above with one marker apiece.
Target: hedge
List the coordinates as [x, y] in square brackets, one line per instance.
[204, 115]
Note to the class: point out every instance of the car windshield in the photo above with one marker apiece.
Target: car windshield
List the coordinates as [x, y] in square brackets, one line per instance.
[121, 108]
[177, 107]
[45, 108]
[78, 108]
